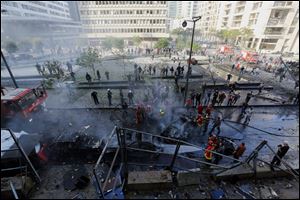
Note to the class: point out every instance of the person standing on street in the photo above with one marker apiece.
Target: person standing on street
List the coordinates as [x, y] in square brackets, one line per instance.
[98, 75]
[107, 75]
[282, 150]
[229, 76]
[239, 151]
[130, 97]
[95, 97]
[109, 96]
[73, 76]
[248, 97]
[88, 78]
[217, 125]
[215, 96]
[248, 116]
[39, 68]
[198, 98]
[236, 98]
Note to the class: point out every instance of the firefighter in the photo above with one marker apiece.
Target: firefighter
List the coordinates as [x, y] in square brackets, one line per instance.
[210, 147]
[199, 120]
[200, 109]
[239, 151]
[208, 110]
[188, 104]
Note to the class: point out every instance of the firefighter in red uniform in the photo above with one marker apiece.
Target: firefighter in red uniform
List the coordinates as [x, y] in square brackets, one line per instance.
[199, 120]
[208, 110]
[200, 109]
[212, 143]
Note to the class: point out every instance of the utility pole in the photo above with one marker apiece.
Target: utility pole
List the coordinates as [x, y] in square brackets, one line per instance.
[8, 69]
[184, 24]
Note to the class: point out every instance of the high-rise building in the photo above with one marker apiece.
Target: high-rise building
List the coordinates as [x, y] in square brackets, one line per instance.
[209, 10]
[49, 21]
[172, 9]
[124, 19]
[41, 9]
[275, 24]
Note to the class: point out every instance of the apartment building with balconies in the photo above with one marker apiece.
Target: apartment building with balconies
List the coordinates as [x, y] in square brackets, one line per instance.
[275, 24]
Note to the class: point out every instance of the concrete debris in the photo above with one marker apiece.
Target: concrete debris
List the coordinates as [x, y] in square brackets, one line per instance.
[261, 164]
[273, 193]
[268, 193]
[187, 195]
[70, 124]
[217, 194]
[288, 186]
[86, 127]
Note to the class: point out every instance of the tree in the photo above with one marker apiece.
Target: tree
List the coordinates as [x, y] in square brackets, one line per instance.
[108, 43]
[118, 43]
[246, 34]
[89, 58]
[196, 47]
[162, 43]
[229, 35]
[137, 40]
[178, 31]
[11, 47]
[25, 45]
[180, 43]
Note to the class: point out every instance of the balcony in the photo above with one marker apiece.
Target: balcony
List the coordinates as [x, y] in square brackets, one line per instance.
[282, 4]
[241, 3]
[275, 22]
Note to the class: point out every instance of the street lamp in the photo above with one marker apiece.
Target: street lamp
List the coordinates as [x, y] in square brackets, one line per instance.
[184, 24]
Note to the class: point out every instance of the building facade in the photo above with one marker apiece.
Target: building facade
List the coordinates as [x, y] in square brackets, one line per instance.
[42, 9]
[124, 19]
[48, 21]
[275, 24]
[209, 10]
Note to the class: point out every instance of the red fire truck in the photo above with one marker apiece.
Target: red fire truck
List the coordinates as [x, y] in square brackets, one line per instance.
[250, 57]
[226, 50]
[22, 101]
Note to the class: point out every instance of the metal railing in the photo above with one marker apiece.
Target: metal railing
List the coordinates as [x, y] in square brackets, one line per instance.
[122, 150]
[23, 153]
